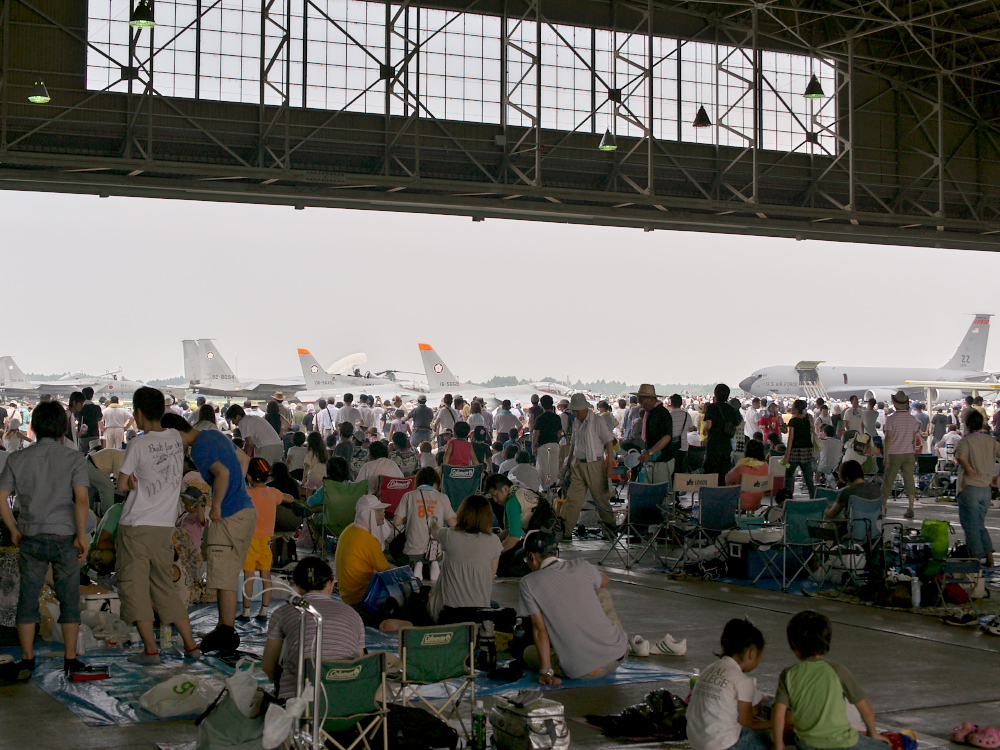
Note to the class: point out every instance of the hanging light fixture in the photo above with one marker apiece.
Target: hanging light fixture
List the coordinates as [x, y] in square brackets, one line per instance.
[608, 142]
[39, 94]
[814, 90]
[142, 15]
[701, 120]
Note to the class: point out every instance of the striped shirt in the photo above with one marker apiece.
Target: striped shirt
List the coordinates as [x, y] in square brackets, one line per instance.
[343, 636]
[43, 477]
[904, 427]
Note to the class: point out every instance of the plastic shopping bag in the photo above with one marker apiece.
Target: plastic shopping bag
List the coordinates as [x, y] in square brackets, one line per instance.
[182, 695]
[243, 686]
[280, 722]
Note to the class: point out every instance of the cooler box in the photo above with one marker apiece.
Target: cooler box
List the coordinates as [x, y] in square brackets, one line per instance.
[108, 602]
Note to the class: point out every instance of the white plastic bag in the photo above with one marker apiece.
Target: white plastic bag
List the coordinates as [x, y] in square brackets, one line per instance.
[243, 686]
[280, 722]
[182, 695]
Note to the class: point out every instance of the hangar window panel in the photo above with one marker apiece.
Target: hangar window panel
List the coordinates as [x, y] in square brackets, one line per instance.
[459, 65]
[337, 48]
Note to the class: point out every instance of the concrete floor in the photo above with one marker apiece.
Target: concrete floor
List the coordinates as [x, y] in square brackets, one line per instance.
[919, 673]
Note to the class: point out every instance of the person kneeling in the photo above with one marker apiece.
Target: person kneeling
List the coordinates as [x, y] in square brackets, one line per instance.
[576, 631]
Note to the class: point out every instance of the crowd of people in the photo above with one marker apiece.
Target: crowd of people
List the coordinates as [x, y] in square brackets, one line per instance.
[187, 497]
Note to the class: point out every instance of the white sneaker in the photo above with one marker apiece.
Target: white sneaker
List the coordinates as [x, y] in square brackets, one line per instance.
[638, 646]
[418, 571]
[669, 647]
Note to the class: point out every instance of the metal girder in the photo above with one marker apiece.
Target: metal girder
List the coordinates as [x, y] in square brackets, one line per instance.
[938, 178]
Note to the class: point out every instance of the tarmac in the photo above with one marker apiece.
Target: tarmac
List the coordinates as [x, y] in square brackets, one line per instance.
[919, 673]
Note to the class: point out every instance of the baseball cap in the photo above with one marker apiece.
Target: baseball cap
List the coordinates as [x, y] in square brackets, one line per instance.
[369, 502]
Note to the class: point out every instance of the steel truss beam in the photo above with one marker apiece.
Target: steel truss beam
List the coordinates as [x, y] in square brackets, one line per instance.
[284, 153]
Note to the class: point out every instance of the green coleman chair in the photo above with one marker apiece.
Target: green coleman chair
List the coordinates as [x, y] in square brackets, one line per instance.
[458, 482]
[339, 502]
[354, 696]
[440, 654]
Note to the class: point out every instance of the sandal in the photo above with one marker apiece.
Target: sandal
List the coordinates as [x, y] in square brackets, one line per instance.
[988, 737]
[992, 628]
[960, 734]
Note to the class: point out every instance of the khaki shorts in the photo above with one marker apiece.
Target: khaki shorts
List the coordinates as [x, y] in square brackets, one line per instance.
[145, 565]
[225, 547]
[259, 557]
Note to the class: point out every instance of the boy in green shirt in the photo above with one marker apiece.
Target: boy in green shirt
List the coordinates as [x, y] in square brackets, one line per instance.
[815, 689]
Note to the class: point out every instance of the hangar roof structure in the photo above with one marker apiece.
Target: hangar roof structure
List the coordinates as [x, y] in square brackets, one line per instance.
[499, 108]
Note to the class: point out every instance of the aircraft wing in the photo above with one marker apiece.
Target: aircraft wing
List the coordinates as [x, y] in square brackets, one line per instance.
[961, 385]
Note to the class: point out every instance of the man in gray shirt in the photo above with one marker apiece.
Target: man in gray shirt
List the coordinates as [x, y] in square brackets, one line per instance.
[576, 631]
[51, 483]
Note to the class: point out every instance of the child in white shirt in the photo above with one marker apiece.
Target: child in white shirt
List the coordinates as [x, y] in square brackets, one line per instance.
[721, 714]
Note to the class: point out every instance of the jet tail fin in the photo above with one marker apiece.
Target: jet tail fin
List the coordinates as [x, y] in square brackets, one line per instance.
[192, 362]
[316, 378]
[439, 377]
[971, 353]
[215, 371]
[11, 375]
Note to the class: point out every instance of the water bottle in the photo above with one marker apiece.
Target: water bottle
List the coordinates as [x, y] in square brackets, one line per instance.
[915, 590]
[134, 639]
[166, 637]
[478, 727]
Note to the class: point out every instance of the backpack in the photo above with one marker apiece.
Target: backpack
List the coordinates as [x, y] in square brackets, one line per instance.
[412, 728]
[544, 518]
[284, 552]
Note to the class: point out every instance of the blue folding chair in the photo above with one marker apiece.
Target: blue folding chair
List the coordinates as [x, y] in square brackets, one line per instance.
[718, 509]
[458, 482]
[798, 515]
[644, 522]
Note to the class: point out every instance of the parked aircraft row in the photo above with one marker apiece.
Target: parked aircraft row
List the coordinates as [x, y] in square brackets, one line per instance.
[207, 372]
[14, 383]
[958, 377]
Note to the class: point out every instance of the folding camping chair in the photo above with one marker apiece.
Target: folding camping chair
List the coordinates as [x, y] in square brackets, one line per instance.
[354, 692]
[440, 654]
[796, 540]
[458, 482]
[756, 483]
[924, 474]
[718, 507]
[964, 571]
[620, 479]
[644, 521]
[339, 502]
[391, 491]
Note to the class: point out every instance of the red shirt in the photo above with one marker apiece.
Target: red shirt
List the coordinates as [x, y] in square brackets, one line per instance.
[461, 452]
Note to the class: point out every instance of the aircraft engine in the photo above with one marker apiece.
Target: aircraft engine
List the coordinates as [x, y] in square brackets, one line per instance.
[880, 394]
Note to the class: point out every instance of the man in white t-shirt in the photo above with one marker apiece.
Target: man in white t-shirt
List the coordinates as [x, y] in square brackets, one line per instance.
[151, 473]
[853, 417]
[258, 436]
[324, 418]
[751, 419]
[348, 412]
[116, 420]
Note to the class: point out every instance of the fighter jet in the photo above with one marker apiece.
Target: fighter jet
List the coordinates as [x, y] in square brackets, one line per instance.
[321, 384]
[811, 379]
[440, 379]
[207, 373]
[13, 382]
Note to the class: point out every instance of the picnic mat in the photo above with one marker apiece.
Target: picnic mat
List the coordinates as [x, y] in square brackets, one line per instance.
[630, 672]
[116, 699]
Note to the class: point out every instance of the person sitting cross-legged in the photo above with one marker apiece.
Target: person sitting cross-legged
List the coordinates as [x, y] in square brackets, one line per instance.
[576, 631]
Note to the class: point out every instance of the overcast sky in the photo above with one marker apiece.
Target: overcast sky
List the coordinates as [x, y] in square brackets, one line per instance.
[495, 298]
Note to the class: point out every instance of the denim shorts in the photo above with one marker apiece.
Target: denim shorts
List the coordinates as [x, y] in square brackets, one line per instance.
[752, 739]
[864, 743]
[35, 555]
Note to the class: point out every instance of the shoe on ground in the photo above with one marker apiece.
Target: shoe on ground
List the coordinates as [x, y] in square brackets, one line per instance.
[17, 671]
[909, 513]
[196, 654]
[986, 737]
[224, 641]
[668, 646]
[961, 733]
[72, 666]
[242, 618]
[992, 627]
[638, 646]
[142, 657]
[260, 618]
[961, 620]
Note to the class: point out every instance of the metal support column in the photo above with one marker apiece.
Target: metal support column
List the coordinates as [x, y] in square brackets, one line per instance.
[4, 71]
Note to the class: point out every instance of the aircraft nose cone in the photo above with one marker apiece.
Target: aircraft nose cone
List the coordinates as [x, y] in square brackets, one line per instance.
[747, 383]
